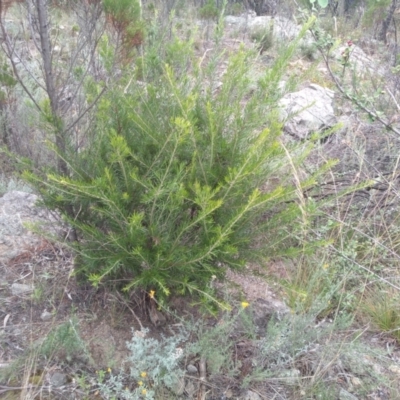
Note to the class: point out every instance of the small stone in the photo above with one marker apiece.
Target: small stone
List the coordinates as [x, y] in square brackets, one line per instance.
[395, 368]
[356, 381]
[191, 369]
[46, 316]
[252, 396]
[19, 288]
[229, 394]
[291, 376]
[58, 379]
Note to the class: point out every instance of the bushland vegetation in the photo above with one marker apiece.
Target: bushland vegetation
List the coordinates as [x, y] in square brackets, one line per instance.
[153, 131]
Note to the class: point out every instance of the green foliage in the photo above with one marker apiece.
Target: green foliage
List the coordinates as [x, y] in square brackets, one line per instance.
[209, 10]
[176, 184]
[6, 76]
[264, 37]
[125, 16]
[375, 11]
[212, 344]
[152, 363]
[64, 342]
[381, 304]
[312, 3]
[323, 3]
[309, 51]
[7, 82]
[235, 8]
[122, 11]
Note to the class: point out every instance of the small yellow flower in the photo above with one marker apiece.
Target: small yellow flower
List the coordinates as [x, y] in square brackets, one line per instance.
[245, 304]
[325, 266]
[152, 293]
[144, 391]
[143, 374]
[109, 370]
[140, 383]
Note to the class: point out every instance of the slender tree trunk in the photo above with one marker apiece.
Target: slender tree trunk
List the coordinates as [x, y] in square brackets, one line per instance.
[45, 43]
[341, 8]
[387, 21]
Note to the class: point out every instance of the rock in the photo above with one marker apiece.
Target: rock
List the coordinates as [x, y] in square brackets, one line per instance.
[282, 28]
[345, 395]
[356, 381]
[359, 60]
[308, 110]
[58, 379]
[191, 369]
[233, 20]
[18, 289]
[395, 368]
[264, 309]
[46, 316]
[250, 395]
[16, 210]
[291, 376]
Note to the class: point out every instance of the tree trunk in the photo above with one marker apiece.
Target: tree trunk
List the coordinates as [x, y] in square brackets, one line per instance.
[341, 8]
[45, 44]
[387, 21]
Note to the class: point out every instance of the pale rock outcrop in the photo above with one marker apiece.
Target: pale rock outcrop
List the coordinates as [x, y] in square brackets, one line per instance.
[17, 209]
[307, 111]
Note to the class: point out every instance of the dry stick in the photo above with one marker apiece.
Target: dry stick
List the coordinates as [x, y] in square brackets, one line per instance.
[130, 309]
[4, 389]
[393, 98]
[9, 51]
[379, 278]
[194, 378]
[86, 111]
[353, 99]
[202, 367]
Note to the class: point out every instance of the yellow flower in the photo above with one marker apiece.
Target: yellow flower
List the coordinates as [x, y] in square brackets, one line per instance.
[152, 293]
[245, 304]
[143, 374]
[109, 370]
[144, 391]
[140, 383]
[325, 266]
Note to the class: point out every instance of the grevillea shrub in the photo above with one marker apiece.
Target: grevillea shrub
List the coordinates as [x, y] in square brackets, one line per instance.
[181, 178]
